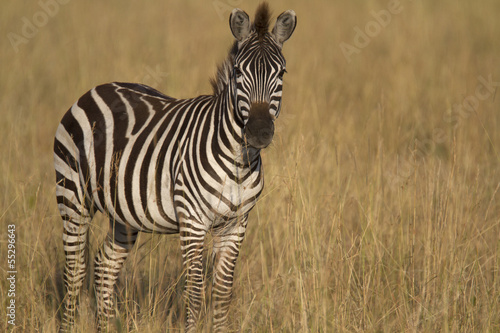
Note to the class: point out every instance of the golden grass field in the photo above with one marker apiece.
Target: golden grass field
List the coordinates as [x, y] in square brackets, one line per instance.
[381, 211]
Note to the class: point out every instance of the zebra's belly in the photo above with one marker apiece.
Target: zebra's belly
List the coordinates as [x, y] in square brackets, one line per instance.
[149, 204]
[143, 203]
[152, 209]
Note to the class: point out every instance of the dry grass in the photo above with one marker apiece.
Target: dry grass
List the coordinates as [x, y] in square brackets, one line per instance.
[381, 208]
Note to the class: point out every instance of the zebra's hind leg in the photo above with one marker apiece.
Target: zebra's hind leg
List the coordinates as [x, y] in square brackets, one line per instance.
[76, 225]
[108, 263]
[76, 212]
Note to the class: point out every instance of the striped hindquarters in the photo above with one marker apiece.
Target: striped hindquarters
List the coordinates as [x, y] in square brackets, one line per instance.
[108, 149]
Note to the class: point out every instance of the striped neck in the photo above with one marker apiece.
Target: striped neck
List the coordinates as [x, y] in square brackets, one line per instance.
[232, 125]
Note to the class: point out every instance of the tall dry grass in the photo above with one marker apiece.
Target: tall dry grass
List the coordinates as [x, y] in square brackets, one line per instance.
[381, 208]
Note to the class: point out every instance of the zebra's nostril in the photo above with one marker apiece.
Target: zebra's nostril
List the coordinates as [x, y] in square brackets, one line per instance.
[266, 134]
[259, 132]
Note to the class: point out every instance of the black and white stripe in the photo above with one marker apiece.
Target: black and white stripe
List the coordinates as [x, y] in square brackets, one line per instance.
[153, 163]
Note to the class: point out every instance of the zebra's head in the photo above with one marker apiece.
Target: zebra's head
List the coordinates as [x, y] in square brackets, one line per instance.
[258, 71]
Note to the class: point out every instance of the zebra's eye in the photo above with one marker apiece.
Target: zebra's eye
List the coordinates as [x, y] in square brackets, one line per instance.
[281, 73]
[237, 72]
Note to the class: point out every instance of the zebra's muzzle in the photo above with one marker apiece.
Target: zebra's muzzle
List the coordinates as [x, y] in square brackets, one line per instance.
[259, 130]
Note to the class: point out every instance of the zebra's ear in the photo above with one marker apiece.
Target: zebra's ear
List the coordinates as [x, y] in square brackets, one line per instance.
[240, 24]
[284, 27]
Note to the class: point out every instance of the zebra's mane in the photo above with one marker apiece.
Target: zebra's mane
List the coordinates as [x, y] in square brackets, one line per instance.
[260, 26]
[262, 18]
[224, 70]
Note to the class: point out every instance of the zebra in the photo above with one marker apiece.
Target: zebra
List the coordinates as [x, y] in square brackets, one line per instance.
[157, 164]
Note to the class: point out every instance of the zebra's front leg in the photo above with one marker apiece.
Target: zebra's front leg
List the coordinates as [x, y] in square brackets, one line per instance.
[108, 263]
[192, 235]
[226, 249]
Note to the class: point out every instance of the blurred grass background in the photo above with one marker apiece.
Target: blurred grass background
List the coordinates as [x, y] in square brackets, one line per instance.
[381, 209]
